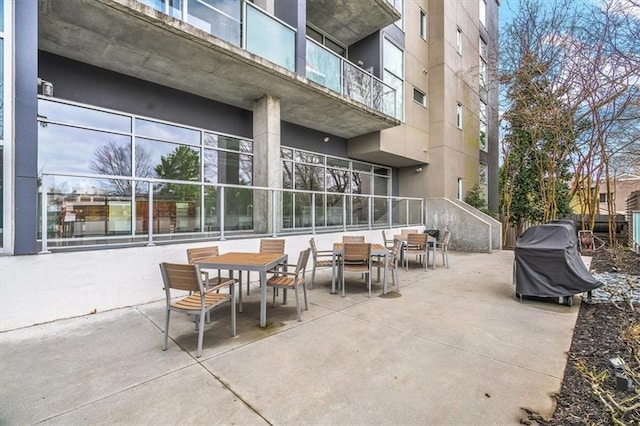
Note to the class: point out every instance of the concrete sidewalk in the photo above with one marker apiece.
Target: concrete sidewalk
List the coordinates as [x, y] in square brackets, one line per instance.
[454, 346]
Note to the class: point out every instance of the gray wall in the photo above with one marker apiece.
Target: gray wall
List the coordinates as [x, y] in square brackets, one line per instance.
[26, 130]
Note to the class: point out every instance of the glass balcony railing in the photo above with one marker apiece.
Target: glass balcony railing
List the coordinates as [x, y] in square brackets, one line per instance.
[336, 73]
[87, 210]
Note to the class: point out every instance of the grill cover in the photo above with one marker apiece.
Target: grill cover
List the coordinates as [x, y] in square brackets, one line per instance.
[548, 264]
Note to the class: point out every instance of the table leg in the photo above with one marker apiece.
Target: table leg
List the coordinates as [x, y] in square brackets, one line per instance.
[333, 274]
[386, 266]
[263, 298]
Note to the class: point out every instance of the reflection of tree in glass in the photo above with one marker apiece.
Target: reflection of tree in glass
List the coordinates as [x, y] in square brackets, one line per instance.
[114, 159]
[182, 164]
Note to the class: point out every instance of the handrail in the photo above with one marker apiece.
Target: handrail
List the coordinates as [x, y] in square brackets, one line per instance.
[274, 201]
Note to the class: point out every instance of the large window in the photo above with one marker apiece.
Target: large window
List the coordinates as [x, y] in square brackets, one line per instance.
[399, 6]
[482, 12]
[393, 58]
[80, 140]
[307, 171]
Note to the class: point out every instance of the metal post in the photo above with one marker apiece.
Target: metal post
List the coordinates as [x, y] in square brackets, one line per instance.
[390, 209]
[221, 212]
[150, 216]
[45, 217]
[274, 216]
[407, 209]
[370, 207]
[313, 213]
[344, 213]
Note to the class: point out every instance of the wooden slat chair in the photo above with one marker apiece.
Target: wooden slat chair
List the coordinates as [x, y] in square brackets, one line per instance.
[443, 246]
[292, 280]
[201, 254]
[200, 302]
[408, 231]
[353, 239]
[388, 243]
[321, 259]
[357, 258]
[392, 262]
[416, 245]
[269, 245]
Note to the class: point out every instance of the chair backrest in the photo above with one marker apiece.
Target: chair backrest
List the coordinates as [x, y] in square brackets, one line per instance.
[395, 251]
[349, 239]
[181, 276]
[416, 239]
[357, 253]
[408, 231]
[445, 238]
[201, 253]
[303, 258]
[384, 236]
[272, 246]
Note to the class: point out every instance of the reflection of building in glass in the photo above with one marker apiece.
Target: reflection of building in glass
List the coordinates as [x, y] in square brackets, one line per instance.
[210, 116]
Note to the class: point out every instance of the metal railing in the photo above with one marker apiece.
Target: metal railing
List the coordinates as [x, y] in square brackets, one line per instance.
[84, 211]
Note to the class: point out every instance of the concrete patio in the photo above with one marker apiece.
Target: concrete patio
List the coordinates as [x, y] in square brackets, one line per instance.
[453, 346]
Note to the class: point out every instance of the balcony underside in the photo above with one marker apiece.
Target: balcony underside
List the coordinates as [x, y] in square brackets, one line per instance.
[351, 20]
[129, 38]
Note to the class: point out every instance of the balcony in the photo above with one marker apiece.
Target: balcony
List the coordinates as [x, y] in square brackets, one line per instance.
[349, 21]
[222, 55]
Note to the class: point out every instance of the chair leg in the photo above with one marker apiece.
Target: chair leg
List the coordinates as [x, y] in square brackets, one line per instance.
[369, 282]
[232, 290]
[248, 282]
[240, 291]
[295, 289]
[313, 275]
[200, 335]
[166, 330]
[304, 289]
[274, 297]
[342, 277]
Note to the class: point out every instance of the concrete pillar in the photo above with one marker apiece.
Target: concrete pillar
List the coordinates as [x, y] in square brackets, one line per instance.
[267, 170]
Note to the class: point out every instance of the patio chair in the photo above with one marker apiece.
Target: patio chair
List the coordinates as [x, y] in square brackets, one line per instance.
[416, 245]
[292, 280]
[201, 254]
[356, 258]
[353, 239]
[391, 264]
[388, 243]
[200, 302]
[443, 246]
[268, 246]
[321, 259]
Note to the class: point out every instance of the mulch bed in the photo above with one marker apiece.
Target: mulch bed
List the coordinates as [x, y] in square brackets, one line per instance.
[597, 338]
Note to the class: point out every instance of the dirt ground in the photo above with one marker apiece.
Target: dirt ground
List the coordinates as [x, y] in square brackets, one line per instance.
[603, 331]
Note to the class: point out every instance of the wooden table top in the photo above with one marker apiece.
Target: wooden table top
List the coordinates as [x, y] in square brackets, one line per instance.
[243, 259]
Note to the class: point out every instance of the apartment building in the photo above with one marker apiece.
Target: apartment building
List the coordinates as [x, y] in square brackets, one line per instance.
[133, 123]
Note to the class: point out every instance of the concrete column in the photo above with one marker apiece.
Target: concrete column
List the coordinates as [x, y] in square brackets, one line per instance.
[267, 170]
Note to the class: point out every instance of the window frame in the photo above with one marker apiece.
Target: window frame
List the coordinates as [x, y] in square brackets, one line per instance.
[459, 115]
[422, 25]
[422, 103]
[459, 40]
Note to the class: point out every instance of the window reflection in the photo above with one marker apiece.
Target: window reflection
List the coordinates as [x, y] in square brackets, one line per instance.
[71, 149]
[87, 117]
[171, 161]
[167, 132]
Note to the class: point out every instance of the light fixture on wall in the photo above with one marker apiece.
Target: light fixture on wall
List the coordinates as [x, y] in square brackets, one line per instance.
[47, 87]
[326, 139]
[419, 169]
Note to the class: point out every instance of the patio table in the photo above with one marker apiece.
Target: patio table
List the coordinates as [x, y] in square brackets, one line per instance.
[376, 250]
[243, 261]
